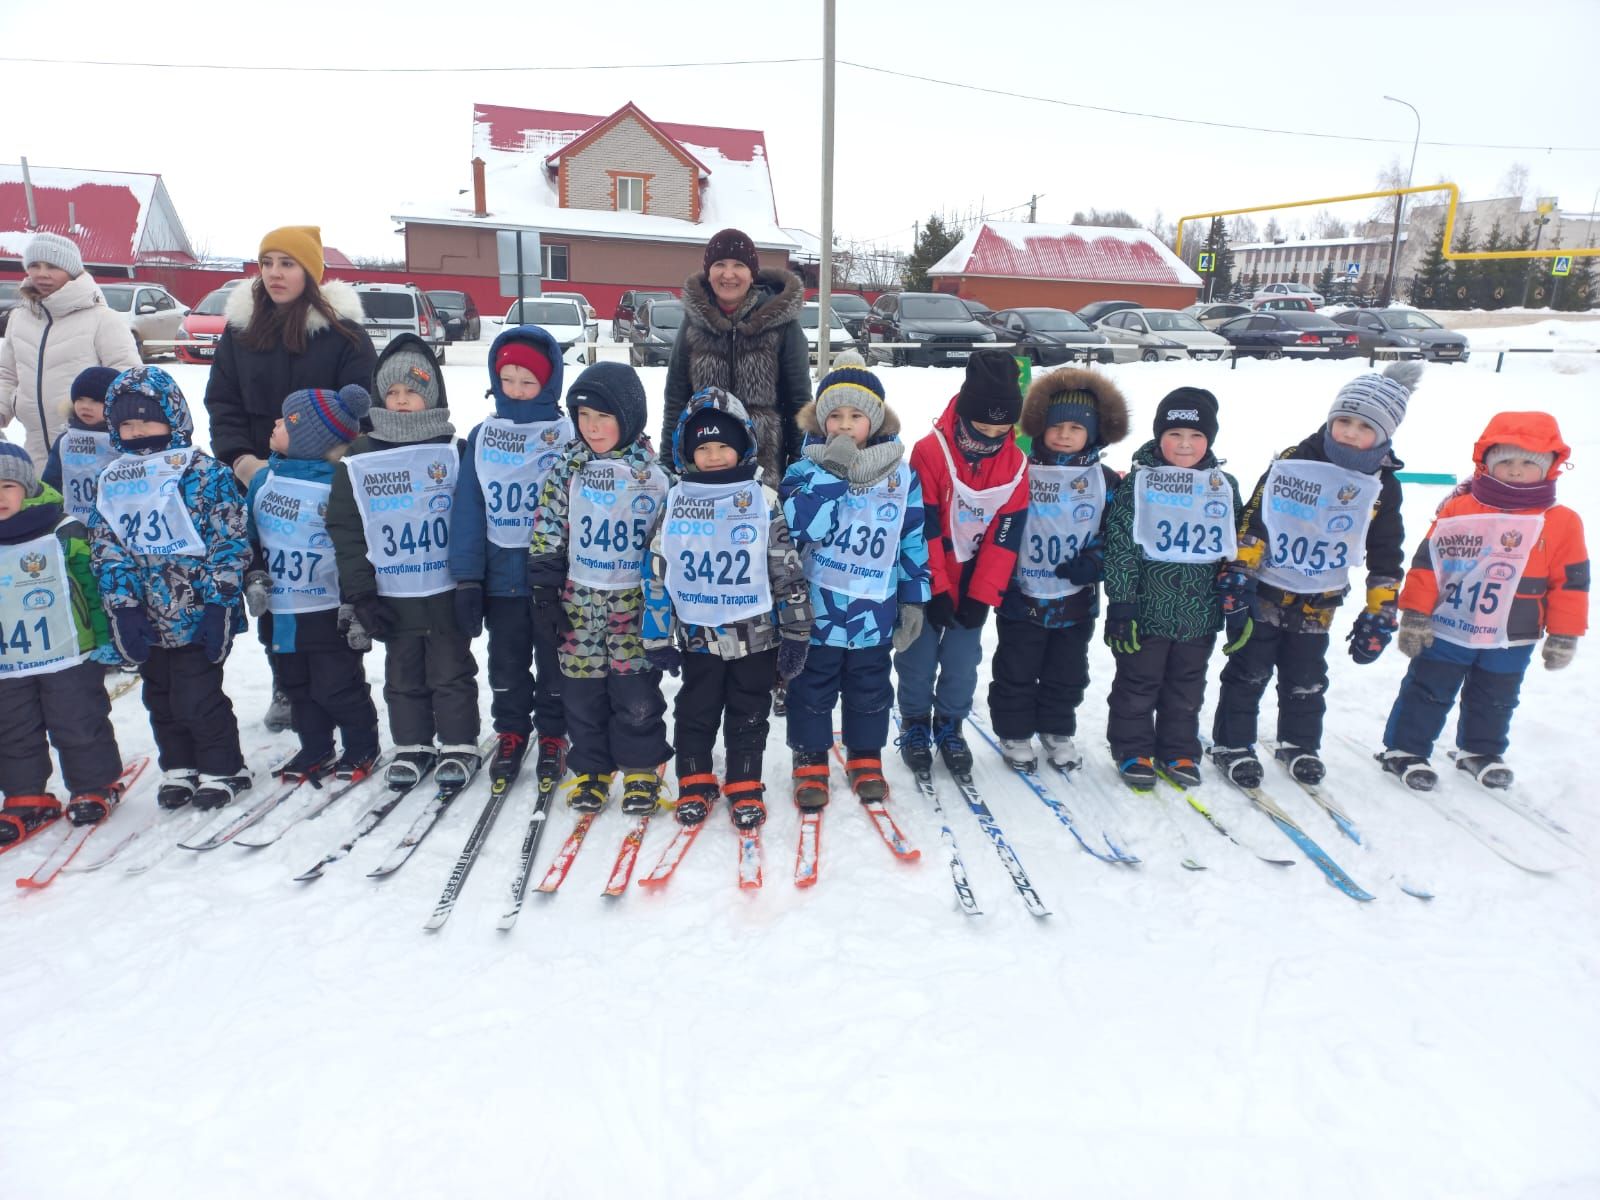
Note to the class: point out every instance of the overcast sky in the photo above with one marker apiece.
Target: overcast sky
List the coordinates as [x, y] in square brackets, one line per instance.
[242, 152]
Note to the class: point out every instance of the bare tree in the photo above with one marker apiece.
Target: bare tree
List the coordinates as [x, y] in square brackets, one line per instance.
[1516, 181]
[1273, 232]
[1115, 218]
[1391, 176]
[1326, 225]
[1242, 230]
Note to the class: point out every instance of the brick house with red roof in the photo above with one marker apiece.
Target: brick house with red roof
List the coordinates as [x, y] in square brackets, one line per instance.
[120, 220]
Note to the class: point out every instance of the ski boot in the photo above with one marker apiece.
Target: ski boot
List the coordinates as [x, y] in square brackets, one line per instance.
[1304, 765]
[1489, 770]
[410, 764]
[588, 793]
[697, 790]
[177, 788]
[216, 790]
[24, 815]
[811, 778]
[509, 749]
[953, 747]
[456, 766]
[1138, 773]
[1241, 766]
[1411, 769]
[1184, 772]
[864, 769]
[306, 765]
[280, 715]
[552, 763]
[641, 792]
[93, 805]
[355, 765]
[916, 743]
[745, 803]
[1061, 750]
[1019, 753]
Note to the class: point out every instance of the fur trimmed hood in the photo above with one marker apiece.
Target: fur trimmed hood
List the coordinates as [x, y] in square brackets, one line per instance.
[783, 296]
[341, 297]
[1109, 403]
[806, 418]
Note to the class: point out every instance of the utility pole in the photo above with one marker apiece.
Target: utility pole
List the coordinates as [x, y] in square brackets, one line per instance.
[1033, 207]
[1399, 209]
[825, 281]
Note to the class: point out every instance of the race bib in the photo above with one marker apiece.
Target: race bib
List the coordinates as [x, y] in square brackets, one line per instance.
[291, 516]
[84, 454]
[860, 556]
[1316, 516]
[37, 633]
[613, 509]
[1478, 561]
[404, 496]
[715, 544]
[141, 498]
[1183, 516]
[512, 461]
[1064, 509]
[972, 510]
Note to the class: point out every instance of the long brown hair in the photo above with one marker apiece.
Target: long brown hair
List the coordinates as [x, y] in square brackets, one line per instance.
[284, 325]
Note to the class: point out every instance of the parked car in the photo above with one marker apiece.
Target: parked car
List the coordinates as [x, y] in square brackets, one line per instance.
[10, 297]
[852, 309]
[591, 322]
[459, 314]
[1293, 289]
[1162, 334]
[1098, 310]
[1212, 315]
[943, 331]
[203, 323]
[1281, 304]
[1052, 336]
[979, 310]
[395, 308]
[1289, 335]
[151, 312]
[810, 322]
[1405, 329]
[561, 319]
[628, 308]
[653, 332]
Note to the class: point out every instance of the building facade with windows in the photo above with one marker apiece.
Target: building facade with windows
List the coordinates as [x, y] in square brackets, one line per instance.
[619, 202]
[1303, 260]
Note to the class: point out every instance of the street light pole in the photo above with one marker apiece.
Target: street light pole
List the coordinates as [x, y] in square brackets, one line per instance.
[1399, 208]
[825, 278]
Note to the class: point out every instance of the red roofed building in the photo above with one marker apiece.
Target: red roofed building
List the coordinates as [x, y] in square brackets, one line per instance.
[121, 220]
[1012, 264]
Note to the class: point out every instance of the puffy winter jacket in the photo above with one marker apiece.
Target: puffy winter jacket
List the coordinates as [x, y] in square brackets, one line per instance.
[986, 575]
[607, 637]
[503, 570]
[1553, 594]
[759, 353]
[246, 389]
[790, 615]
[288, 633]
[48, 341]
[174, 590]
[814, 503]
[1176, 600]
[46, 513]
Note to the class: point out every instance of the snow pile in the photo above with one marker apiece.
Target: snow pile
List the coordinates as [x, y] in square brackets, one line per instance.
[211, 1028]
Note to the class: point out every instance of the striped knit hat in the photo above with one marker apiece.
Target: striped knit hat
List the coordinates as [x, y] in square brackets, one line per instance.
[850, 383]
[318, 420]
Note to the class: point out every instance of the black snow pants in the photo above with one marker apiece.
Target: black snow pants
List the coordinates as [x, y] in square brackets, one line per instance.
[1301, 660]
[524, 672]
[1037, 677]
[1156, 697]
[190, 714]
[72, 708]
[327, 690]
[617, 721]
[430, 683]
[735, 693]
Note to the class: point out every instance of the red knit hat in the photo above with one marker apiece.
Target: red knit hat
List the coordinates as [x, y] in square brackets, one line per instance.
[522, 354]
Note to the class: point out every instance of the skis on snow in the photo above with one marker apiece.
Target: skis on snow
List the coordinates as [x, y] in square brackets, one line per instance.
[534, 834]
[429, 817]
[237, 822]
[267, 831]
[882, 819]
[498, 790]
[68, 847]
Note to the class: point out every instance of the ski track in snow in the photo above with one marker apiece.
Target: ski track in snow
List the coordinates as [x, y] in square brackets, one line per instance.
[217, 1030]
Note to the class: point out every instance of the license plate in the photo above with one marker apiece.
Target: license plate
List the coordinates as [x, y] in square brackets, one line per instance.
[1333, 341]
[958, 353]
[1449, 352]
[378, 335]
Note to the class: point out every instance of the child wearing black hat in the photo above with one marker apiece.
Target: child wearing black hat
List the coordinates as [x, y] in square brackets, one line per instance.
[592, 529]
[292, 588]
[724, 582]
[389, 516]
[50, 686]
[1041, 667]
[975, 493]
[1169, 538]
[84, 448]
[503, 470]
[1322, 506]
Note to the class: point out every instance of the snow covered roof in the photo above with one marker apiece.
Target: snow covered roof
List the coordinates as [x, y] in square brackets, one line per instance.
[123, 217]
[1071, 253]
[520, 148]
[809, 244]
[1317, 243]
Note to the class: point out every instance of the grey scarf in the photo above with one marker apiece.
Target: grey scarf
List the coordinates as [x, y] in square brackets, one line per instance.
[402, 428]
[871, 463]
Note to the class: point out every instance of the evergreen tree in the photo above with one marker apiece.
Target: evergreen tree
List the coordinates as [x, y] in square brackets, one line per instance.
[934, 241]
[1489, 286]
[1431, 284]
[1544, 283]
[1330, 285]
[1464, 287]
[1516, 278]
[1222, 262]
[1578, 289]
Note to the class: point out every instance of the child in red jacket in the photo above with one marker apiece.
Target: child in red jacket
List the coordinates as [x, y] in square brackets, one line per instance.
[1502, 565]
[975, 498]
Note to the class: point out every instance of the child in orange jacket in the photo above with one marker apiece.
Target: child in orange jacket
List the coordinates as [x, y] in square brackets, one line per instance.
[1503, 564]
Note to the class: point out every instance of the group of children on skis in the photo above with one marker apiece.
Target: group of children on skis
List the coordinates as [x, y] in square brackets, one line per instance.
[595, 571]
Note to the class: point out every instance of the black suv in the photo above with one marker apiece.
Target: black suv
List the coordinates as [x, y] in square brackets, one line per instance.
[460, 315]
[941, 330]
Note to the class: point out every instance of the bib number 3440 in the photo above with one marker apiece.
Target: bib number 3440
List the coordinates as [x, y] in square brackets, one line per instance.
[416, 537]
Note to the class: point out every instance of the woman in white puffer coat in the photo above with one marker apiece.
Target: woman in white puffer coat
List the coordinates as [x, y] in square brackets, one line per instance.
[63, 326]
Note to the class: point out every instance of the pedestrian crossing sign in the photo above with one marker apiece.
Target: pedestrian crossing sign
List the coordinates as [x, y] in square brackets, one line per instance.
[1208, 263]
[1563, 265]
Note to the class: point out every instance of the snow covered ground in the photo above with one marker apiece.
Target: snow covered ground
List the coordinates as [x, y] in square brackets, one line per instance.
[213, 1029]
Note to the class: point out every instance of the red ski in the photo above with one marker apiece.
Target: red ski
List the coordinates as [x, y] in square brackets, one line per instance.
[672, 855]
[882, 820]
[569, 851]
[805, 855]
[750, 858]
[67, 849]
[622, 869]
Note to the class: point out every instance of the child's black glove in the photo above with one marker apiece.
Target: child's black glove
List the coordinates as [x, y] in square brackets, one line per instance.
[1370, 634]
[550, 620]
[216, 632]
[133, 633]
[970, 614]
[1086, 567]
[1122, 627]
[469, 608]
[666, 659]
[376, 617]
[792, 658]
[941, 611]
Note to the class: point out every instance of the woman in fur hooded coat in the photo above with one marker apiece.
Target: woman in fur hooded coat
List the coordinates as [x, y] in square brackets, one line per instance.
[741, 333]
